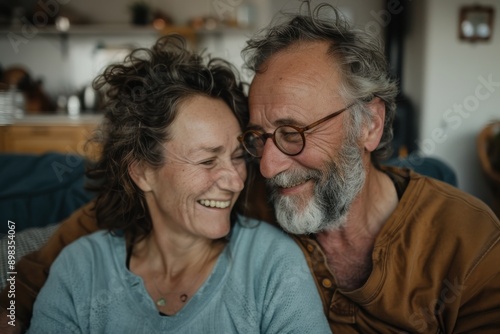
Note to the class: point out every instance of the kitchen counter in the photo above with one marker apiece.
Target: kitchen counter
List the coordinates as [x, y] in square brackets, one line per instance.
[37, 134]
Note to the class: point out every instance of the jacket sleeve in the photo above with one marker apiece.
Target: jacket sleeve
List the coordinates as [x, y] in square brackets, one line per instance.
[479, 295]
[32, 269]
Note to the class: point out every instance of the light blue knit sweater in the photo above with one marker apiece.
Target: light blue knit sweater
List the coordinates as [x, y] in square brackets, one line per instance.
[260, 284]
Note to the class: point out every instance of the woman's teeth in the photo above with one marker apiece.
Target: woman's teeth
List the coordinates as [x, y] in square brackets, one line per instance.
[215, 204]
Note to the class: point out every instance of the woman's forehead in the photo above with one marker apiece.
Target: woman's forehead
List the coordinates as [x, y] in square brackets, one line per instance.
[204, 125]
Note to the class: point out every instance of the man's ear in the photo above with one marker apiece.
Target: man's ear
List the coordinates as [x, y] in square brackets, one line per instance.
[373, 132]
[140, 174]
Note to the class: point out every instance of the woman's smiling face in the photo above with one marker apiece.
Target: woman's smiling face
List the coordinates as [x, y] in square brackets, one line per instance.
[193, 193]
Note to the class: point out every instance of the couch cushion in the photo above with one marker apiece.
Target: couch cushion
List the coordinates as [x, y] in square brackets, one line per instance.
[27, 241]
[38, 190]
[427, 166]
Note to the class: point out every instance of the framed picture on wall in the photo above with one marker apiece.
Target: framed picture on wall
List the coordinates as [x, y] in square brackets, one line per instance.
[476, 23]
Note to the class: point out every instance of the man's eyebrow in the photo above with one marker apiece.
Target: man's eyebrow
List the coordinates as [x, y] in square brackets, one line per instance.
[279, 122]
[285, 121]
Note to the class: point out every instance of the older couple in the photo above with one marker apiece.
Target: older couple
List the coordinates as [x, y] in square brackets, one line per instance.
[390, 250]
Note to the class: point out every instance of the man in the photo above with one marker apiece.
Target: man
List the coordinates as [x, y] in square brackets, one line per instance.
[391, 251]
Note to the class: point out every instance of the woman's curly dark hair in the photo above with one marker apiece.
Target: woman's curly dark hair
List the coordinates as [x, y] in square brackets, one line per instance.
[143, 95]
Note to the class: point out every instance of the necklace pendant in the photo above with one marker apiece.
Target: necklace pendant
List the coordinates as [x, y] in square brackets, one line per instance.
[161, 302]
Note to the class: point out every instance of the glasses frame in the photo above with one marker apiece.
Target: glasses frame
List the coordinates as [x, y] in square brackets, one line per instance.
[266, 135]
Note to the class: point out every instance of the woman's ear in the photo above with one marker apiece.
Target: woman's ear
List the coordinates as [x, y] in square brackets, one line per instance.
[374, 131]
[140, 174]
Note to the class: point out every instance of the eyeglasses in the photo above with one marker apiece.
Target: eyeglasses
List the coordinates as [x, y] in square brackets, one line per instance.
[289, 139]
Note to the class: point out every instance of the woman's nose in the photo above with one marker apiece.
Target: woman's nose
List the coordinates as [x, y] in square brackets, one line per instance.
[233, 177]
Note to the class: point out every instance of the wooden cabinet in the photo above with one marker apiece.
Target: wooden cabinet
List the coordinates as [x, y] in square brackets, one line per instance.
[59, 135]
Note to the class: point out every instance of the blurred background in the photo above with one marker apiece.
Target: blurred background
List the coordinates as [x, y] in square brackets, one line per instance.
[445, 54]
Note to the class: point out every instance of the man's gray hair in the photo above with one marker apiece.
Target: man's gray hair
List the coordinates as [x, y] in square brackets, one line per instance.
[359, 56]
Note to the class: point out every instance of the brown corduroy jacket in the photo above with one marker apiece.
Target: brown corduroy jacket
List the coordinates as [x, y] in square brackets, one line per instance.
[436, 267]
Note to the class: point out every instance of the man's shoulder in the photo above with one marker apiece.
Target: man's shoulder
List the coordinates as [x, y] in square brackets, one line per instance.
[444, 225]
[439, 199]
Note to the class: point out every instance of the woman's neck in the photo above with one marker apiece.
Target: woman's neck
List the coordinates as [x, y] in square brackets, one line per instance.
[173, 269]
[173, 256]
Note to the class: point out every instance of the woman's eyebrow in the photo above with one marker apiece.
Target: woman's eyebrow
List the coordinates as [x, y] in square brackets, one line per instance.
[208, 149]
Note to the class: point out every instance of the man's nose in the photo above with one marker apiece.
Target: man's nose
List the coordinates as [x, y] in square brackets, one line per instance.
[273, 161]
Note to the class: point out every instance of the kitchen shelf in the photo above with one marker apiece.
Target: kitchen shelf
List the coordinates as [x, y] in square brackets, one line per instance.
[191, 34]
[124, 29]
[89, 29]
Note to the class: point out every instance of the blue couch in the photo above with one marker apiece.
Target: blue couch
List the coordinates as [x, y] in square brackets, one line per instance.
[39, 190]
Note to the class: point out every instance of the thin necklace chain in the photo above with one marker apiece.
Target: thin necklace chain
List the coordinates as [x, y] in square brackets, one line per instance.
[162, 301]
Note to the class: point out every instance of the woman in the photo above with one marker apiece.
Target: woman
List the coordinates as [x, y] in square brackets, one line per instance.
[175, 257]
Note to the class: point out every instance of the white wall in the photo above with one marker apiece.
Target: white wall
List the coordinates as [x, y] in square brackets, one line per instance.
[449, 79]
[65, 73]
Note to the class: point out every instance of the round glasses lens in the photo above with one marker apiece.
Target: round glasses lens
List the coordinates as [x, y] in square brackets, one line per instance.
[289, 139]
[253, 143]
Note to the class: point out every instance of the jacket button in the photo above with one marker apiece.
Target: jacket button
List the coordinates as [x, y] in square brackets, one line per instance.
[310, 248]
[326, 283]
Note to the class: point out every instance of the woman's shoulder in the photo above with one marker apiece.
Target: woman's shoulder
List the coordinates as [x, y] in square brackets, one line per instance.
[251, 227]
[250, 235]
[266, 255]
[91, 240]
[98, 244]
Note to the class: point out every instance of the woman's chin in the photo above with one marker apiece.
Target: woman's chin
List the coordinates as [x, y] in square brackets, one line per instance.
[217, 230]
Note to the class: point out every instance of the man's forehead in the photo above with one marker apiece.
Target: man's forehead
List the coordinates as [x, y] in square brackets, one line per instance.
[294, 73]
[268, 115]
[287, 89]
[294, 85]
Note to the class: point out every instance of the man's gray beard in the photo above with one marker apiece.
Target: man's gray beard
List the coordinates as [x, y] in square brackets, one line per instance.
[334, 191]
